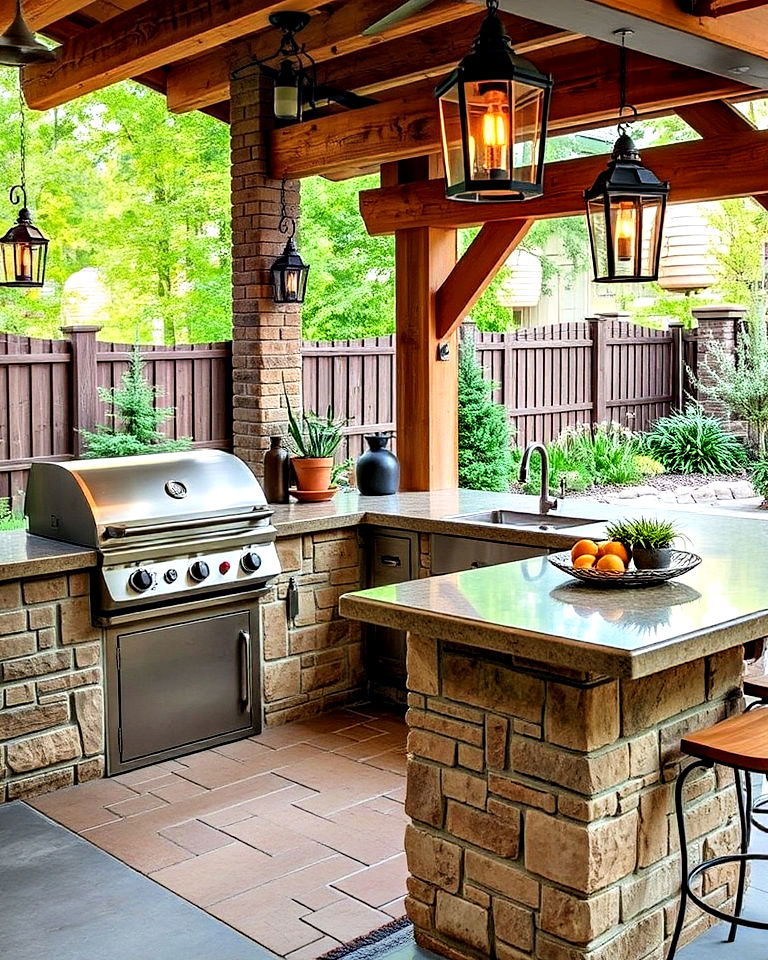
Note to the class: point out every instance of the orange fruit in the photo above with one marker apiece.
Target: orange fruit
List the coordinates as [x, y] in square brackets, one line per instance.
[584, 548]
[613, 548]
[611, 564]
[585, 561]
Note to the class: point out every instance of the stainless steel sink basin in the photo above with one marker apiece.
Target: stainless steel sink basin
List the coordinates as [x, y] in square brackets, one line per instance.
[512, 518]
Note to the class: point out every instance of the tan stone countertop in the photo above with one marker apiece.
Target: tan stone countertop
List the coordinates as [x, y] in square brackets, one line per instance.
[22, 555]
[531, 610]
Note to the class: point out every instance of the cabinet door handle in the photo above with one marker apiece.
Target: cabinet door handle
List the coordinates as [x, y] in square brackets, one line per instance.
[390, 561]
[245, 670]
[476, 564]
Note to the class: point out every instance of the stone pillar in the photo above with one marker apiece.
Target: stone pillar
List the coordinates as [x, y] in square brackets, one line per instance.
[542, 805]
[266, 347]
[717, 323]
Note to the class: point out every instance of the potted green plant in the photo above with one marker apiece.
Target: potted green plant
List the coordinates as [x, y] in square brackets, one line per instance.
[315, 440]
[649, 541]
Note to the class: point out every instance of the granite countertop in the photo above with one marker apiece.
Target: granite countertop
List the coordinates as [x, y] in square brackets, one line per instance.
[532, 610]
[22, 555]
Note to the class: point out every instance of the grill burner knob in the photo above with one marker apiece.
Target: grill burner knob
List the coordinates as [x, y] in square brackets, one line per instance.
[250, 562]
[199, 571]
[171, 576]
[141, 580]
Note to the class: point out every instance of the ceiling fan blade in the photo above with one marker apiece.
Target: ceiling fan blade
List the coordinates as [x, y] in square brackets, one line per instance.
[405, 10]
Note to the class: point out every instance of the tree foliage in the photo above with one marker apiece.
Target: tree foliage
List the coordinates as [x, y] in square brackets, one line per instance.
[485, 455]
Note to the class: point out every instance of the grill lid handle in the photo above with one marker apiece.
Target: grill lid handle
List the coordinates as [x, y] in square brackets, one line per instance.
[120, 531]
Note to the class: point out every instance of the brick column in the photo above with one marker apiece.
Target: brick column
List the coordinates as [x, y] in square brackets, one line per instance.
[266, 345]
[716, 323]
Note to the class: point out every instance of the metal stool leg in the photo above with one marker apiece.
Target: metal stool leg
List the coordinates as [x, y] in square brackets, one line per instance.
[680, 816]
[744, 799]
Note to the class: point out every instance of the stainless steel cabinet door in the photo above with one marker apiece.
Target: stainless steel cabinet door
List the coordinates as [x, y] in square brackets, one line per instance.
[183, 683]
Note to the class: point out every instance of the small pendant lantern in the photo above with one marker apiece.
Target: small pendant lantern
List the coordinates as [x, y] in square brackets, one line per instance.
[19, 46]
[493, 113]
[289, 272]
[626, 207]
[23, 249]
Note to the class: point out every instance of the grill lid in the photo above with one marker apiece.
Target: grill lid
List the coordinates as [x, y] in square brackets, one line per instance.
[97, 503]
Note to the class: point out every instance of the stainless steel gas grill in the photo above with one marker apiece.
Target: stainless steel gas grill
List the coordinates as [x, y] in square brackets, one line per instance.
[186, 548]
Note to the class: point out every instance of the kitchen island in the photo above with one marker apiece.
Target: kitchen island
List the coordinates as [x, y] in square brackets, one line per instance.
[545, 718]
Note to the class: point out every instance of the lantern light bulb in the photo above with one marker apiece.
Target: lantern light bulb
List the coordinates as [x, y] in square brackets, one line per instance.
[625, 231]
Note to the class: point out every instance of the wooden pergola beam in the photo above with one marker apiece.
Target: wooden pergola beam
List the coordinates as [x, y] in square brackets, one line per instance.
[699, 170]
[333, 32]
[472, 274]
[720, 8]
[151, 35]
[39, 13]
[408, 125]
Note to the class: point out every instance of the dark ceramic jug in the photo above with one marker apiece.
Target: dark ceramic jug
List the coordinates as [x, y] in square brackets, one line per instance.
[276, 472]
[378, 469]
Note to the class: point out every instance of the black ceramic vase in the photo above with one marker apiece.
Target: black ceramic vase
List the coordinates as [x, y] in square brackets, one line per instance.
[378, 469]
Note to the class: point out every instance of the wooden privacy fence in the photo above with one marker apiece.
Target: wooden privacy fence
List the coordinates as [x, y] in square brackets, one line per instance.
[548, 378]
[48, 392]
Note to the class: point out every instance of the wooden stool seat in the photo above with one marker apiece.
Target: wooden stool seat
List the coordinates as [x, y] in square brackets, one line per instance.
[756, 687]
[740, 741]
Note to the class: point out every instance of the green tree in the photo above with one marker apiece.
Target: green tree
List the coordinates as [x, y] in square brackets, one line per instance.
[134, 419]
[485, 454]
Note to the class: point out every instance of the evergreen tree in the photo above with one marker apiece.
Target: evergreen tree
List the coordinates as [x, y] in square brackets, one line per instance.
[485, 455]
[134, 420]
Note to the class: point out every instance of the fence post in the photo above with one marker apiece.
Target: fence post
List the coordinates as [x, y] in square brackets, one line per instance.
[677, 390]
[721, 323]
[598, 331]
[85, 395]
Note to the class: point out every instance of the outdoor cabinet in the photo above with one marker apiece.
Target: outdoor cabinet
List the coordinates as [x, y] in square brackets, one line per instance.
[391, 557]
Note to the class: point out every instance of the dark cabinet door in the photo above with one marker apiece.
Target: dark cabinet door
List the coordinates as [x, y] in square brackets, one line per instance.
[183, 683]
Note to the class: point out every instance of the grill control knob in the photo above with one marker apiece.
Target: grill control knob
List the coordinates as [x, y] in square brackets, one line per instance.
[199, 571]
[171, 576]
[250, 562]
[141, 580]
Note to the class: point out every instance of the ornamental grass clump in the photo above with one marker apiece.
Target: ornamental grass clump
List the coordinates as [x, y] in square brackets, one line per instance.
[644, 532]
[693, 442]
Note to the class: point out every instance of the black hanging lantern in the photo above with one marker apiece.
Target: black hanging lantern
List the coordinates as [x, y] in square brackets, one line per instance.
[19, 46]
[289, 272]
[290, 67]
[23, 249]
[494, 109]
[626, 206]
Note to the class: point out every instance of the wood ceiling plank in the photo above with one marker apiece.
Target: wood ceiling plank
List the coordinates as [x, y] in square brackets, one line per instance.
[333, 32]
[38, 13]
[714, 119]
[585, 95]
[151, 35]
[468, 280]
[695, 171]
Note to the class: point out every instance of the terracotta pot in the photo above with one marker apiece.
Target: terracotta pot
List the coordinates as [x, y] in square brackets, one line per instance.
[313, 473]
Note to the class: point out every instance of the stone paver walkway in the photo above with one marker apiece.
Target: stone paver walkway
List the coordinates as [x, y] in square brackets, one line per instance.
[713, 493]
[294, 837]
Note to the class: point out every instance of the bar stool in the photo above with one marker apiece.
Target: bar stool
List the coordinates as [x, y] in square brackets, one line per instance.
[758, 687]
[740, 743]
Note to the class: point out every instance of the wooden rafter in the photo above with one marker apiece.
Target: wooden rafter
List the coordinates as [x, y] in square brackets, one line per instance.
[695, 170]
[408, 125]
[334, 32]
[480, 263]
[719, 8]
[39, 13]
[151, 35]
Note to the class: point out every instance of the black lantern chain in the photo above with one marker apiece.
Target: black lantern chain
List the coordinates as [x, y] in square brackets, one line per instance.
[289, 272]
[23, 249]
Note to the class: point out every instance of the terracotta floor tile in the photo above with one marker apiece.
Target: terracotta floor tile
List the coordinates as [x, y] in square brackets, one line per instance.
[83, 806]
[318, 898]
[347, 919]
[211, 769]
[135, 805]
[274, 923]
[314, 950]
[144, 850]
[244, 750]
[396, 761]
[395, 909]
[377, 885]
[265, 835]
[214, 876]
[226, 816]
[373, 747]
[175, 789]
[306, 882]
[362, 731]
[134, 777]
[196, 837]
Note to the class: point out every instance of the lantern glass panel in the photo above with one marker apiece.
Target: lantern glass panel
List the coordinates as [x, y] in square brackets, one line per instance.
[23, 263]
[625, 232]
[598, 236]
[290, 283]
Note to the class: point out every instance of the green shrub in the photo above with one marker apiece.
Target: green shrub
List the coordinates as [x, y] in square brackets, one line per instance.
[485, 456]
[134, 420]
[758, 474]
[692, 442]
[10, 519]
[606, 450]
[649, 467]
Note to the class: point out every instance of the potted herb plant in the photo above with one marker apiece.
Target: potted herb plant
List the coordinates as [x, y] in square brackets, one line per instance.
[315, 441]
[650, 541]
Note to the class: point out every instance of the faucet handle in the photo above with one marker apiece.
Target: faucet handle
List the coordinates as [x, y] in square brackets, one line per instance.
[562, 488]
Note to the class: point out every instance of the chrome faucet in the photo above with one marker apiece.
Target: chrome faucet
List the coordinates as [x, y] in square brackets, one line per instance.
[545, 502]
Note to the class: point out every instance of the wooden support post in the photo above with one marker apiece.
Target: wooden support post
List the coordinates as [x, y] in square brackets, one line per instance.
[598, 327]
[427, 387]
[84, 381]
[678, 365]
